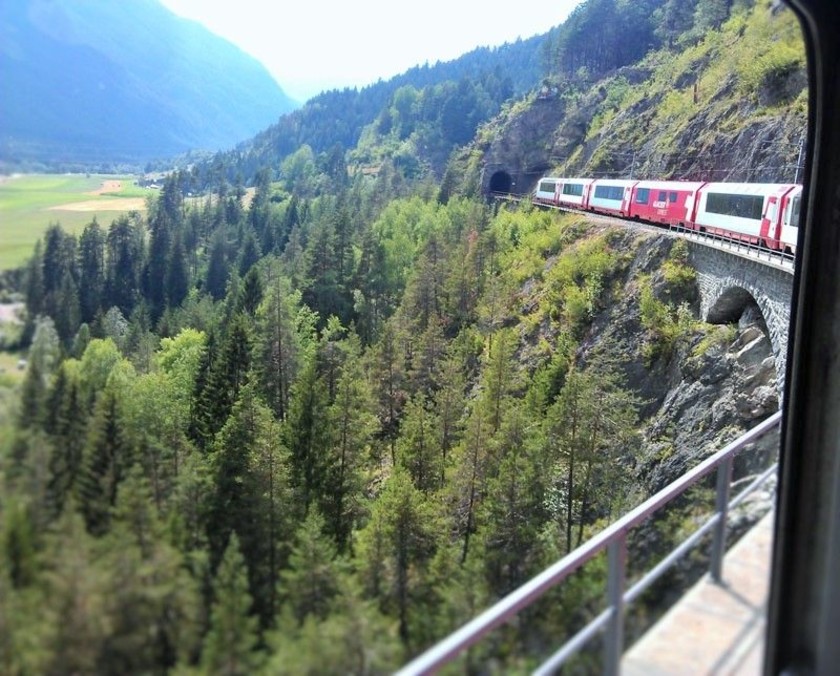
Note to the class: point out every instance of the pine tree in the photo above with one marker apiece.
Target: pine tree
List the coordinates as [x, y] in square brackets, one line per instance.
[151, 601]
[395, 549]
[67, 424]
[352, 422]
[43, 358]
[307, 435]
[230, 645]
[310, 583]
[177, 275]
[217, 269]
[105, 460]
[91, 271]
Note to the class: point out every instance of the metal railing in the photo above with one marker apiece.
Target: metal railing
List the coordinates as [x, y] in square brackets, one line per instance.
[614, 540]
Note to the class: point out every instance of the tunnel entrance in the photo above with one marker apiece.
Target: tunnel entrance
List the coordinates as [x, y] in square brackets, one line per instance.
[501, 182]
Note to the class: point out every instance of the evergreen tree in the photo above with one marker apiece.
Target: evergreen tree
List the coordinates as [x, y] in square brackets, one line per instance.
[353, 423]
[251, 481]
[395, 549]
[251, 294]
[177, 275]
[43, 358]
[105, 460]
[124, 260]
[310, 583]
[230, 645]
[151, 600]
[283, 332]
[67, 425]
[217, 269]
[418, 448]
[227, 372]
[91, 271]
[307, 435]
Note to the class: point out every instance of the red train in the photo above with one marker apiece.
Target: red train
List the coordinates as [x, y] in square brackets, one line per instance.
[766, 214]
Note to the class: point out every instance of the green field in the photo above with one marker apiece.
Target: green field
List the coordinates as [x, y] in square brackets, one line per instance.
[28, 205]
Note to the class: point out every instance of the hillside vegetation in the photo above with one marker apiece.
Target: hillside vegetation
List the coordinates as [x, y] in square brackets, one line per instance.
[315, 430]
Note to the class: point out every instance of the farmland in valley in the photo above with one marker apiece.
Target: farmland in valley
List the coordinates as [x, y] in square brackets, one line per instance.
[29, 203]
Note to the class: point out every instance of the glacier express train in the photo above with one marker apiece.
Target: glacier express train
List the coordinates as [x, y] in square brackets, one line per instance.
[766, 214]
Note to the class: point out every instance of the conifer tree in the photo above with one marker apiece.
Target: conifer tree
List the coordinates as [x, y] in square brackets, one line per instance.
[67, 423]
[352, 423]
[106, 458]
[230, 645]
[283, 332]
[217, 268]
[177, 275]
[307, 434]
[310, 583]
[418, 447]
[151, 600]
[395, 549]
[43, 358]
[91, 271]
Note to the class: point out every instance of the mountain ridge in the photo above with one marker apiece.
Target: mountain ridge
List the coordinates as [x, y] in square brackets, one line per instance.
[145, 83]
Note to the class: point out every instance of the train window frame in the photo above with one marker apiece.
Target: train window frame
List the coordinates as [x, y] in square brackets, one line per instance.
[738, 205]
[803, 611]
[642, 196]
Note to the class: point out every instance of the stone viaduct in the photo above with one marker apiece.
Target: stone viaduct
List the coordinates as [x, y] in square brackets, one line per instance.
[733, 283]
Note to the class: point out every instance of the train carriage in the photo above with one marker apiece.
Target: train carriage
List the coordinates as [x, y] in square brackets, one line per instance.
[546, 191]
[665, 202]
[570, 192]
[751, 212]
[611, 196]
[791, 204]
[574, 192]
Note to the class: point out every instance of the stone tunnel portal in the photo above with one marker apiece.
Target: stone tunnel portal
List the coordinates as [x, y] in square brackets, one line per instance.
[501, 182]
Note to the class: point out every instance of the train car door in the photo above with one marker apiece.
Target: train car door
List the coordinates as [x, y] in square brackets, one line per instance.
[770, 232]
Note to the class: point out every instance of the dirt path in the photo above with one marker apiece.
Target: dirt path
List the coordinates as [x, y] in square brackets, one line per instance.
[117, 204]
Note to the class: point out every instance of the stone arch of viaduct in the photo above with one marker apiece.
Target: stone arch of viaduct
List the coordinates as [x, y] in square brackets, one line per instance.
[730, 284]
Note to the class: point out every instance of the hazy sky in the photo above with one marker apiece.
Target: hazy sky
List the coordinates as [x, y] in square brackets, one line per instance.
[313, 45]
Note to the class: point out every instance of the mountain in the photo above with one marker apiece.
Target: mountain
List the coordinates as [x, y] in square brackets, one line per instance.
[419, 115]
[143, 83]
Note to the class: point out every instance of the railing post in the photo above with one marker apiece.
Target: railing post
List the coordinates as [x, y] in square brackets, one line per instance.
[724, 479]
[614, 638]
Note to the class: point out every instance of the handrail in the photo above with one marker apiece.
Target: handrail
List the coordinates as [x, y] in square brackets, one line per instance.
[614, 539]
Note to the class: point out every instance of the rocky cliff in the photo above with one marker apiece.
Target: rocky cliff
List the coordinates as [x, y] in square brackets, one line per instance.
[729, 107]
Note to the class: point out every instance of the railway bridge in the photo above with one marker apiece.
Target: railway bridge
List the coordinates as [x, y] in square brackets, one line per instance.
[734, 280]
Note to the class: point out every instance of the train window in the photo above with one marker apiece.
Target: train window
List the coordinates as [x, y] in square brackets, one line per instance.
[642, 195]
[662, 196]
[794, 219]
[547, 186]
[609, 192]
[742, 206]
[575, 189]
[672, 197]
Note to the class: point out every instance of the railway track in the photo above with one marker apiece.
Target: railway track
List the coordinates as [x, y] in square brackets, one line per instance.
[777, 259]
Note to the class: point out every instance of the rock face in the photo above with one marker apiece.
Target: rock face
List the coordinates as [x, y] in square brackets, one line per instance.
[715, 383]
[515, 159]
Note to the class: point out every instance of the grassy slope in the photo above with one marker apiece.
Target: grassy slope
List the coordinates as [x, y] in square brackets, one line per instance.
[698, 100]
[26, 201]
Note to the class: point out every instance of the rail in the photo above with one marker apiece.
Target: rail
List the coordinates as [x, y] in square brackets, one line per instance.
[614, 540]
[777, 258]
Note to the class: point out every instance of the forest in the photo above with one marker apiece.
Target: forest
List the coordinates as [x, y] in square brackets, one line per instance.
[312, 421]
